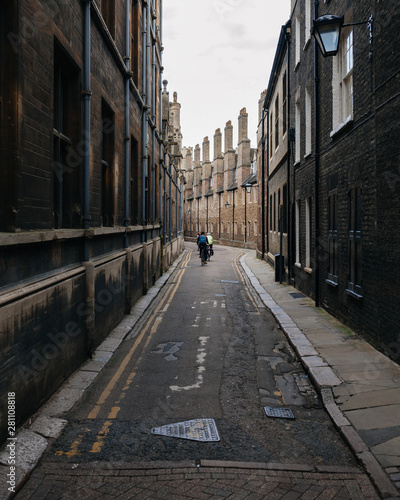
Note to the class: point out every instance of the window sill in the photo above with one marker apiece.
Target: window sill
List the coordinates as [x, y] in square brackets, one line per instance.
[353, 294]
[331, 283]
[340, 127]
[296, 67]
[308, 270]
[308, 41]
[297, 264]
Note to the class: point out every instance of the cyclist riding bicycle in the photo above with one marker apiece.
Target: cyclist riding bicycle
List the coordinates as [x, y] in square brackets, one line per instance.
[203, 247]
[210, 241]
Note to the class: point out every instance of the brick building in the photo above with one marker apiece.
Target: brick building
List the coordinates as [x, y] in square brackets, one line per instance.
[221, 195]
[342, 152]
[88, 180]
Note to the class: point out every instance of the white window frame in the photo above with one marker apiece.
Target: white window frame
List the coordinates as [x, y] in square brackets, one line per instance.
[297, 215]
[342, 82]
[307, 27]
[308, 106]
[298, 42]
[308, 233]
[297, 129]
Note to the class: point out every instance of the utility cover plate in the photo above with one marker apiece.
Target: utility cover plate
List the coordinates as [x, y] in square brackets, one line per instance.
[278, 412]
[297, 295]
[229, 281]
[201, 429]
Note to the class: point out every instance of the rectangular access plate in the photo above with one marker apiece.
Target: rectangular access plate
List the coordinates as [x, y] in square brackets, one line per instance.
[229, 281]
[275, 412]
[200, 429]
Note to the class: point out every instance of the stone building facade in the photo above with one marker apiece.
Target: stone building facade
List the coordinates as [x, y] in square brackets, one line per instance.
[342, 154]
[216, 191]
[89, 175]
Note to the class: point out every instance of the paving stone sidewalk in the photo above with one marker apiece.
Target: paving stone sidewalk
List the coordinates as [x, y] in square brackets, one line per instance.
[207, 480]
[360, 387]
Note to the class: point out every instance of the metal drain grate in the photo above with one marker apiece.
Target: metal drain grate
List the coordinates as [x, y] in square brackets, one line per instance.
[297, 295]
[278, 412]
[201, 429]
[229, 281]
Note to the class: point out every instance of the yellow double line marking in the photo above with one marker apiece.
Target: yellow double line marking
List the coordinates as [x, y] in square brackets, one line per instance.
[107, 391]
[162, 306]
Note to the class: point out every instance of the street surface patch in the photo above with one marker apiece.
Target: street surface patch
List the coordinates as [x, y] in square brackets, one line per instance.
[201, 429]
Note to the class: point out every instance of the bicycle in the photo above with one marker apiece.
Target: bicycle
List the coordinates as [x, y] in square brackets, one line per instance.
[209, 253]
[203, 256]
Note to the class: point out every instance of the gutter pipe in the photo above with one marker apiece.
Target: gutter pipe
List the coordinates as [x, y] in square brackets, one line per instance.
[87, 95]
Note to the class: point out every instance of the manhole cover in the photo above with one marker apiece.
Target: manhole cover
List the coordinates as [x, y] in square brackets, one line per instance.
[201, 429]
[278, 412]
[229, 281]
[297, 295]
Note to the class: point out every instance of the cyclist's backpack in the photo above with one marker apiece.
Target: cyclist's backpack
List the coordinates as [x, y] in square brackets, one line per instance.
[202, 239]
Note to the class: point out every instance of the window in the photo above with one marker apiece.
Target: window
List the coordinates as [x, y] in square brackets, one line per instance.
[279, 211]
[270, 212]
[254, 166]
[108, 13]
[308, 233]
[134, 181]
[284, 104]
[307, 31]
[284, 215]
[298, 41]
[297, 215]
[277, 121]
[308, 121]
[66, 132]
[135, 42]
[271, 131]
[107, 165]
[342, 84]
[332, 238]
[297, 125]
[355, 248]
[274, 211]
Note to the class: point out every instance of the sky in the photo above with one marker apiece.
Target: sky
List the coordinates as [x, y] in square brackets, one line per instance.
[218, 56]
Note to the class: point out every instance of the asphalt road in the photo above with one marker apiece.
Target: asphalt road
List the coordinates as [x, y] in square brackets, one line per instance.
[206, 348]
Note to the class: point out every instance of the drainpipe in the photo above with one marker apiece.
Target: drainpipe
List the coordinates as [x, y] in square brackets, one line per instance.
[176, 209]
[233, 216]
[288, 200]
[154, 111]
[317, 158]
[170, 202]
[127, 105]
[268, 207]
[148, 91]
[87, 94]
[144, 123]
[165, 200]
[263, 184]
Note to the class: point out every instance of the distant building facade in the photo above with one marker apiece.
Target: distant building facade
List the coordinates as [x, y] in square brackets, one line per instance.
[221, 195]
[87, 167]
[338, 120]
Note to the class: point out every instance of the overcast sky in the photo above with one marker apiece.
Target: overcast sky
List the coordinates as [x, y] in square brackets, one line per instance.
[218, 56]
